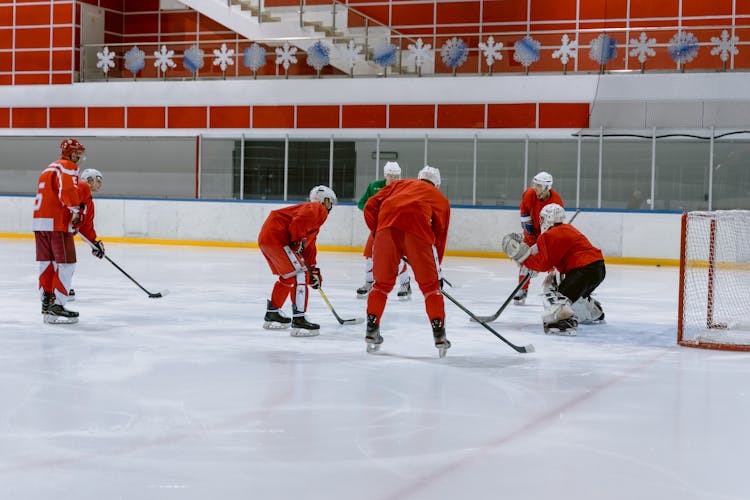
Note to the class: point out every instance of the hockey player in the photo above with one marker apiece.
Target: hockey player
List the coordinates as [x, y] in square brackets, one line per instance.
[287, 240]
[391, 172]
[562, 247]
[57, 212]
[90, 181]
[539, 195]
[409, 218]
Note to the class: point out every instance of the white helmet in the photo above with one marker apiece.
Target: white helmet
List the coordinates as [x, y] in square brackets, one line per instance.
[431, 174]
[90, 173]
[392, 168]
[543, 179]
[320, 193]
[550, 215]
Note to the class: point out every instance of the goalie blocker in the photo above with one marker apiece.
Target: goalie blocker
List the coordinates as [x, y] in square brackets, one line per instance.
[562, 247]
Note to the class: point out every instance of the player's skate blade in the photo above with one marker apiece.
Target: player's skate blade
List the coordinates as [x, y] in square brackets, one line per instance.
[565, 327]
[303, 328]
[275, 325]
[303, 332]
[372, 347]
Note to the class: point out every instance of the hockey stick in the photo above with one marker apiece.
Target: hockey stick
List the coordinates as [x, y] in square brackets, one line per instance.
[493, 317]
[522, 349]
[156, 295]
[353, 321]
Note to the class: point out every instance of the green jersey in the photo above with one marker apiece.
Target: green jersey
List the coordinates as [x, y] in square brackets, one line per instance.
[373, 188]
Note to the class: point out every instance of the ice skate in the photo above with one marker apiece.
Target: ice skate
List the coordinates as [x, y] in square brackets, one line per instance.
[47, 300]
[57, 314]
[438, 333]
[275, 318]
[372, 335]
[364, 290]
[301, 327]
[565, 327]
[404, 291]
[519, 298]
[71, 295]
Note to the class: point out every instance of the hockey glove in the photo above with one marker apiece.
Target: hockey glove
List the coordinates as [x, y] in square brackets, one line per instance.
[515, 248]
[316, 279]
[98, 250]
[298, 246]
[78, 215]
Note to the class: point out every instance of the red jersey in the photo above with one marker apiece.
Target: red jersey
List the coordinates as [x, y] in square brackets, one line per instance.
[563, 247]
[57, 197]
[413, 206]
[86, 227]
[292, 224]
[531, 206]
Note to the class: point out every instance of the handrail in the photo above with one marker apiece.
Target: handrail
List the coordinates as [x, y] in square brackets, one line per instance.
[373, 20]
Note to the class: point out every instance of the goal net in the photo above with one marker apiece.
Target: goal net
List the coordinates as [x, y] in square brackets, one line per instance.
[714, 301]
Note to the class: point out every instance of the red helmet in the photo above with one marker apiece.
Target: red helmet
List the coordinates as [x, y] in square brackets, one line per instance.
[70, 146]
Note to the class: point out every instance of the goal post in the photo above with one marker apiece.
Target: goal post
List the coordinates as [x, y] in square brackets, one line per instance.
[714, 286]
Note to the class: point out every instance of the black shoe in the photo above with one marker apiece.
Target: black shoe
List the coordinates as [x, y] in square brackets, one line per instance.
[301, 322]
[438, 334]
[372, 335]
[58, 314]
[404, 292]
[47, 301]
[275, 315]
[364, 290]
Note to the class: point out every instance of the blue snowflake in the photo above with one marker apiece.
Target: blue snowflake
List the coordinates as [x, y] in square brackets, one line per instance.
[318, 56]
[384, 54]
[526, 51]
[255, 57]
[454, 53]
[683, 47]
[193, 59]
[135, 60]
[603, 49]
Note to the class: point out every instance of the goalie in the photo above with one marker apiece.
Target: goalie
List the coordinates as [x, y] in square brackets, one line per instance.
[561, 246]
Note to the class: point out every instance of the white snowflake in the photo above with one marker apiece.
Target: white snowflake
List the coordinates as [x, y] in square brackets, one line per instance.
[224, 57]
[164, 59]
[419, 53]
[285, 56]
[567, 51]
[106, 60]
[351, 53]
[642, 47]
[491, 51]
[725, 45]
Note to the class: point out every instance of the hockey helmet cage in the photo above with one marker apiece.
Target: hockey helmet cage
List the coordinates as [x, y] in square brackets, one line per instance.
[392, 168]
[550, 215]
[543, 179]
[431, 174]
[320, 193]
[70, 146]
[90, 173]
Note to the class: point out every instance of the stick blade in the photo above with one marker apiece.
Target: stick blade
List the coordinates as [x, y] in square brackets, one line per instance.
[528, 348]
[353, 321]
[483, 319]
[158, 295]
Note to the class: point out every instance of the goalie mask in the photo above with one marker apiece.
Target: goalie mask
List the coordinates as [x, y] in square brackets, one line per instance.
[321, 193]
[550, 215]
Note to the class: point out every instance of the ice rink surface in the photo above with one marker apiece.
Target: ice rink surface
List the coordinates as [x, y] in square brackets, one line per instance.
[187, 397]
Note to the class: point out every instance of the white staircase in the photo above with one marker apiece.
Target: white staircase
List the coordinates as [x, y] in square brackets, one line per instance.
[282, 24]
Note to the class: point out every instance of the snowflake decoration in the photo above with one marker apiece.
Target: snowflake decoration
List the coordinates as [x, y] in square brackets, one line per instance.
[683, 47]
[642, 47]
[384, 54]
[491, 51]
[164, 59]
[135, 60]
[193, 59]
[351, 53]
[603, 49]
[567, 51]
[106, 60]
[318, 56]
[454, 53]
[255, 57]
[526, 51]
[419, 54]
[725, 46]
[224, 57]
[285, 56]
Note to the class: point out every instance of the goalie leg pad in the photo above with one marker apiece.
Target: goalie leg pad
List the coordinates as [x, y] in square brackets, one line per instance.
[588, 311]
[557, 307]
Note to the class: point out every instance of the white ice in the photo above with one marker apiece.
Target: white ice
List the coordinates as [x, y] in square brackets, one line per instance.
[187, 397]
